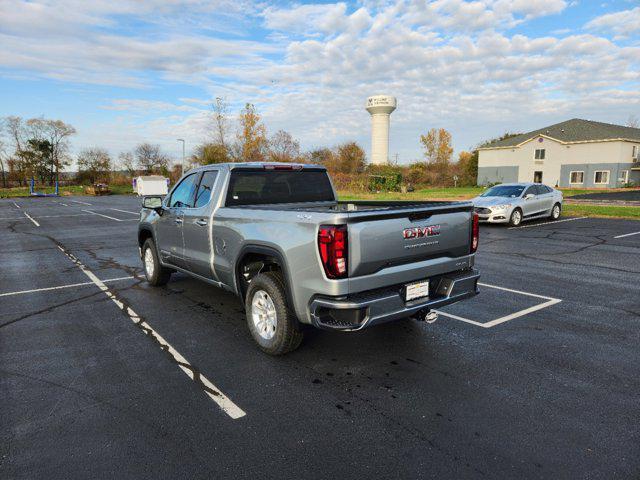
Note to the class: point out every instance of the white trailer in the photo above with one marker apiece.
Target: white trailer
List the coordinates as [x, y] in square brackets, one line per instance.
[150, 185]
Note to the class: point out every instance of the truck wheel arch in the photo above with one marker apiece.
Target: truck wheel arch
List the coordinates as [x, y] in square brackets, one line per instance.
[257, 253]
[143, 234]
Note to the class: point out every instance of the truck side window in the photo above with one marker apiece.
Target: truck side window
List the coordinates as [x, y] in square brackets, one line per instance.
[183, 195]
[204, 189]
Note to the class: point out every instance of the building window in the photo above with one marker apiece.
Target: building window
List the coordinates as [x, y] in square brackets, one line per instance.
[634, 154]
[576, 177]
[601, 177]
[539, 154]
[624, 176]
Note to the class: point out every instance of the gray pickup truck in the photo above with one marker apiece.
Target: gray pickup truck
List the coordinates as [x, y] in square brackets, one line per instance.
[277, 236]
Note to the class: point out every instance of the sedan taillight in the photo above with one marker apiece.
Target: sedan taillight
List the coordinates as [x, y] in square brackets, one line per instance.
[475, 233]
[332, 244]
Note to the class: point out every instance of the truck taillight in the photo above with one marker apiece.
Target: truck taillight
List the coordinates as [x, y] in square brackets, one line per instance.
[475, 233]
[332, 244]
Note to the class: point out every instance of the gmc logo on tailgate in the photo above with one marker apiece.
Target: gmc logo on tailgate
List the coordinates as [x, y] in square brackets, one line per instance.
[419, 232]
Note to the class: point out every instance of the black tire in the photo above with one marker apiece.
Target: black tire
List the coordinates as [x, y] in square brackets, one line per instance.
[555, 213]
[160, 275]
[516, 217]
[286, 335]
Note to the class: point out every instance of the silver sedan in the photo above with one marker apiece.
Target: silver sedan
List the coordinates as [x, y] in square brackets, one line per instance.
[515, 202]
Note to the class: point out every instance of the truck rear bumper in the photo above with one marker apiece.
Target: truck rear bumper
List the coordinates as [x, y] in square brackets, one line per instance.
[365, 309]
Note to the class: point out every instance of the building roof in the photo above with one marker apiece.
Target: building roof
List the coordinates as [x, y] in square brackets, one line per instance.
[574, 130]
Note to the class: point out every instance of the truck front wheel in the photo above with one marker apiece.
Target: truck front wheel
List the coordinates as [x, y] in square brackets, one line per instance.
[271, 322]
[156, 274]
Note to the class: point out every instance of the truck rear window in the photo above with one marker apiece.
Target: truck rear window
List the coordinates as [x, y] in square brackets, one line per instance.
[260, 187]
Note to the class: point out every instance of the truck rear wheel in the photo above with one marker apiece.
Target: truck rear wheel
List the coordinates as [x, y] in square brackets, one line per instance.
[156, 274]
[271, 322]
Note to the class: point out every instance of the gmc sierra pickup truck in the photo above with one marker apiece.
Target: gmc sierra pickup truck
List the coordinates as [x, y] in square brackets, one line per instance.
[277, 236]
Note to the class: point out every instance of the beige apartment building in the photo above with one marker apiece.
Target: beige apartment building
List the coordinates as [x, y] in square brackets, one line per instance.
[576, 153]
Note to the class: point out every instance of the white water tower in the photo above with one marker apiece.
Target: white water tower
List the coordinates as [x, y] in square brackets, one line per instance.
[380, 108]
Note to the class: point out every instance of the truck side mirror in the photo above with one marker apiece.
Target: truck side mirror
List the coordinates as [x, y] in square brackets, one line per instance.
[154, 203]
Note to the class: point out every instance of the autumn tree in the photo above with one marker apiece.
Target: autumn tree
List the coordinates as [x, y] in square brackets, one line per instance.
[251, 138]
[283, 147]
[467, 167]
[209, 153]
[94, 164]
[322, 156]
[150, 158]
[438, 151]
[350, 158]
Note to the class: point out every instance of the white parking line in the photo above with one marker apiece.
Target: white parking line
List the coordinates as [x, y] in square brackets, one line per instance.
[17, 206]
[105, 216]
[34, 222]
[549, 301]
[82, 203]
[627, 235]
[64, 204]
[214, 393]
[125, 211]
[48, 216]
[548, 223]
[59, 287]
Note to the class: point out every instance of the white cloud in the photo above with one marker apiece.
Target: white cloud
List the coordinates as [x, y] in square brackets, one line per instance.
[625, 23]
[451, 63]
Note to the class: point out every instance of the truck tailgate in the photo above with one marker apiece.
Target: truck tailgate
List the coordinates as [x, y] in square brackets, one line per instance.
[380, 240]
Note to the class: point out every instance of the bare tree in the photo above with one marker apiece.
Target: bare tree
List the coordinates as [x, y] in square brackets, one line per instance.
[127, 162]
[2, 160]
[220, 108]
[16, 129]
[283, 147]
[38, 130]
[57, 133]
[94, 164]
[633, 121]
[150, 158]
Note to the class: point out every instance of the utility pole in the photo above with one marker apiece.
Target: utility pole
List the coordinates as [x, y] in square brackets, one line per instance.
[182, 164]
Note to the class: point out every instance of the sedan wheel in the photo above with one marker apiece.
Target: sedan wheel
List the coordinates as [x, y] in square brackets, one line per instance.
[555, 211]
[516, 217]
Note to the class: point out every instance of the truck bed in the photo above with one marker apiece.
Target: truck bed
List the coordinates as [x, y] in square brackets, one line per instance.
[361, 206]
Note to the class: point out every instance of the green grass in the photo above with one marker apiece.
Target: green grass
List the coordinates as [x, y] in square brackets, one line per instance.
[64, 191]
[460, 193]
[613, 211]
[601, 211]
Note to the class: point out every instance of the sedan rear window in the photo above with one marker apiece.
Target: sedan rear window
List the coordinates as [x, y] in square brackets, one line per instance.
[260, 187]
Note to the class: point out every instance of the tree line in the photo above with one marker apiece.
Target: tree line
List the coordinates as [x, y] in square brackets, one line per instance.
[39, 148]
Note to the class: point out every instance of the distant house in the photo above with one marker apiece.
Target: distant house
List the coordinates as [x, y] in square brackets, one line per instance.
[576, 153]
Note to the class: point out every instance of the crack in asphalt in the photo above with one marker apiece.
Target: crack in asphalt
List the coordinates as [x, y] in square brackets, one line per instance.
[177, 438]
[47, 309]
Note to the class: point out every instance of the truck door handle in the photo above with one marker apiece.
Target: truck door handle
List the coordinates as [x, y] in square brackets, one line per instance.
[178, 221]
[201, 222]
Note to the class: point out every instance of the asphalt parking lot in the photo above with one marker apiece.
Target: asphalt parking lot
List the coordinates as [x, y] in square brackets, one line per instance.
[537, 377]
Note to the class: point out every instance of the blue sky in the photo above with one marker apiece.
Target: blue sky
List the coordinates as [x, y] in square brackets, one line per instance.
[124, 72]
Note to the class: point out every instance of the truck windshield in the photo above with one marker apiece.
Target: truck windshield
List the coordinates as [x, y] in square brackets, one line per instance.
[260, 187]
[512, 191]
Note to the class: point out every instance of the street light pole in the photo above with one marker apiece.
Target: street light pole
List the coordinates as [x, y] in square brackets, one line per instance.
[182, 164]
